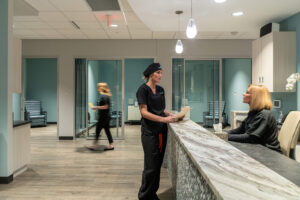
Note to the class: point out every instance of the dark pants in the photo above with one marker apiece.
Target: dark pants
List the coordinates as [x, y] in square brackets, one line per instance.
[103, 124]
[154, 145]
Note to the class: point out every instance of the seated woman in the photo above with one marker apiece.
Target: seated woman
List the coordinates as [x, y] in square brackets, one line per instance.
[260, 125]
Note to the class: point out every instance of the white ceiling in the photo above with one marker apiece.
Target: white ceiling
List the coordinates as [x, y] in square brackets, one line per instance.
[155, 19]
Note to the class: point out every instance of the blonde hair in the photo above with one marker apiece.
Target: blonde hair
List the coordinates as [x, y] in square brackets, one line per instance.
[260, 97]
[104, 89]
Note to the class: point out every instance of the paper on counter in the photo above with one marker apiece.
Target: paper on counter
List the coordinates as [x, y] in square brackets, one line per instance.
[182, 113]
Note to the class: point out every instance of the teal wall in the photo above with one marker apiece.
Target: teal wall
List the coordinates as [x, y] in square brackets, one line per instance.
[4, 169]
[40, 80]
[289, 101]
[134, 69]
[17, 106]
[236, 78]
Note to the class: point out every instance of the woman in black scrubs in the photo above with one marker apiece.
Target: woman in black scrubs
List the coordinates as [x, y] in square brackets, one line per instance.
[260, 126]
[104, 117]
[151, 99]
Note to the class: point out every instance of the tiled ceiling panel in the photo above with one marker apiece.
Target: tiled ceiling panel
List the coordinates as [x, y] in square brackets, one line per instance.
[139, 19]
[52, 16]
[71, 5]
[81, 16]
[42, 5]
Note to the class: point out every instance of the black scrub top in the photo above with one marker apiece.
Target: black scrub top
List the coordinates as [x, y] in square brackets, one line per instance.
[259, 127]
[155, 105]
[104, 114]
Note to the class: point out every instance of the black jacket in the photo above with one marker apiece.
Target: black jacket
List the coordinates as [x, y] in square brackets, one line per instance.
[259, 127]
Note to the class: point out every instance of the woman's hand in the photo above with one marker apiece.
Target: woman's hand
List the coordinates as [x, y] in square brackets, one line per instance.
[94, 108]
[181, 118]
[170, 119]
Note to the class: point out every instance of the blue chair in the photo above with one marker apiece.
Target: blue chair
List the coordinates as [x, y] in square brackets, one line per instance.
[116, 116]
[35, 113]
[213, 111]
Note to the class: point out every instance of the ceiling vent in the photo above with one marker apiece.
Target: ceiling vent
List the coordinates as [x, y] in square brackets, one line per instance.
[104, 5]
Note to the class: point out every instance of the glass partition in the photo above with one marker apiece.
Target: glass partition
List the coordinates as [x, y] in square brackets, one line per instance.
[80, 97]
[109, 71]
[201, 86]
[196, 84]
[177, 84]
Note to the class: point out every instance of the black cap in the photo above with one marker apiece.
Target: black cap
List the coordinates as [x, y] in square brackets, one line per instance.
[151, 69]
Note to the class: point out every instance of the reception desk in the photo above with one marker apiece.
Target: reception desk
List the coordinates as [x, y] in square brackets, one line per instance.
[203, 166]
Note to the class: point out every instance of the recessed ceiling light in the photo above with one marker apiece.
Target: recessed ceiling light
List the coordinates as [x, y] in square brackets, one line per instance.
[236, 14]
[114, 25]
[220, 1]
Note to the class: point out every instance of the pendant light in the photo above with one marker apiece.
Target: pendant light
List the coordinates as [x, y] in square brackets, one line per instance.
[191, 29]
[179, 45]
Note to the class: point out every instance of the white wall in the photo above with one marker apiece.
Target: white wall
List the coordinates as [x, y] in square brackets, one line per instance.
[162, 50]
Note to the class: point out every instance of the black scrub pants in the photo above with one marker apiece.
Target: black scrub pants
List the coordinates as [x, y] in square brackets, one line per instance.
[154, 145]
[104, 123]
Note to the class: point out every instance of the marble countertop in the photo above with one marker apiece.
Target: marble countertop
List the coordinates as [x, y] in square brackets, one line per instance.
[231, 173]
[286, 167]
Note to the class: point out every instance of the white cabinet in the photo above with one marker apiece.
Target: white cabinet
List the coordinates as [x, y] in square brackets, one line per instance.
[274, 60]
[236, 117]
[134, 113]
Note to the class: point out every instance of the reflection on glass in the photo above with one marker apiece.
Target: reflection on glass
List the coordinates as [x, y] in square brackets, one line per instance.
[110, 72]
[80, 97]
[177, 84]
[201, 86]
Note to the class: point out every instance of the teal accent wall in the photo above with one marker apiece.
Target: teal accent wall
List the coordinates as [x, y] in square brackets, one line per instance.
[4, 169]
[291, 101]
[40, 79]
[134, 69]
[236, 78]
[288, 102]
[17, 106]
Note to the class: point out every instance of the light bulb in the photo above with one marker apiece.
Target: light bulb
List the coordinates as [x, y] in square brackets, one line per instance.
[191, 30]
[179, 47]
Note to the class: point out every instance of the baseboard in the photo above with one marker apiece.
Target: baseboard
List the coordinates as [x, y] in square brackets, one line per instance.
[65, 137]
[51, 122]
[6, 180]
[133, 122]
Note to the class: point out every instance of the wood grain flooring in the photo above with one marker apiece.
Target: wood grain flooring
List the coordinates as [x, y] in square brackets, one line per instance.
[63, 170]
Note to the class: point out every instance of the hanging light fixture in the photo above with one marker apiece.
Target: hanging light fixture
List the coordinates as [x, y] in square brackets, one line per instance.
[179, 46]
[191, 29]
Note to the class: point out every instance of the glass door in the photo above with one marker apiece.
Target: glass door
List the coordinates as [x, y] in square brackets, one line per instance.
[201, 87]
[110, 72]
[80, 98]
[196, 84]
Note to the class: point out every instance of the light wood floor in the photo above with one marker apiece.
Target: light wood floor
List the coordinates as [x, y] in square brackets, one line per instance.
[62, 170]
